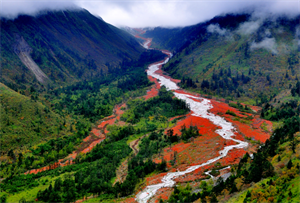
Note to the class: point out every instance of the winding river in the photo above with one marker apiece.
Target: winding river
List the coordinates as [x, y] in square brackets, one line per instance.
[199, 107]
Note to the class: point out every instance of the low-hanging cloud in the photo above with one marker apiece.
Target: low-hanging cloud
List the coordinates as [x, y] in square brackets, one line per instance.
[168, 13]
[250, 27]
[297, 35]
[215, 28]
[266, 43]
[12, 8]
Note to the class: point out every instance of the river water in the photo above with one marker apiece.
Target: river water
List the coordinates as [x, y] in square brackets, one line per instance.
[199, 107]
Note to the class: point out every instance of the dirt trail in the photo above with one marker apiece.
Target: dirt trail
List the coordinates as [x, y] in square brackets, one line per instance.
[122, 170]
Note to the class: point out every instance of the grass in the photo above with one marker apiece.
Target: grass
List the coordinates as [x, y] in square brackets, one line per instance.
[30, 194]
[295, 188]
[239, 198]
[26, 122]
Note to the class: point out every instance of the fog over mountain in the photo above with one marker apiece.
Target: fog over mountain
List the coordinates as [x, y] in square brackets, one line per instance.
[166, 13]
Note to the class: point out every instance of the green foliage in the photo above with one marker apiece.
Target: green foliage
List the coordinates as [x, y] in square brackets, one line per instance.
[241, 108]
[187, 133]
[230, 113]
[187, 82]
[161, 106]
[289, 164]
[3, 198]
[230, 68]
[296, 90]
[25, 122]
[284, 111]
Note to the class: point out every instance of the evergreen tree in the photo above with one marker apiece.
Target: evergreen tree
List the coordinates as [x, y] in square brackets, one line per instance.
[213, 198]
[289, 164]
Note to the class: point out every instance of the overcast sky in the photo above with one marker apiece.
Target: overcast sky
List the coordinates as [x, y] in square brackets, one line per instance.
[144, 13]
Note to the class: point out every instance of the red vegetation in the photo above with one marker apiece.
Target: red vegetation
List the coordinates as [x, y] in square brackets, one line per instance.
[148, 40]
[163, 193]
[255, 108]
[139, 30]
[207, 146]
[201, 149]
[118, 110]
[243, 128]
[246, 130]
[96, 136]
[154, 90]
[151, 93]
[173, 118]
[220, 107]
[129, 200]
[187, 93]
[204, 125]
[155, 179]
[233, 157]
[160, 72]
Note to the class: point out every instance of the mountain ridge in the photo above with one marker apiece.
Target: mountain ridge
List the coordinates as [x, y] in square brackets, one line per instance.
[66, 45]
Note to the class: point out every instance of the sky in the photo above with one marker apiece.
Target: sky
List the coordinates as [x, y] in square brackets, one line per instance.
[152, 13]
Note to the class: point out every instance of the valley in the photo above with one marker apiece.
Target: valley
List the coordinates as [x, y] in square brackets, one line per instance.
[200, 107]
[200, 122]
[224, 143]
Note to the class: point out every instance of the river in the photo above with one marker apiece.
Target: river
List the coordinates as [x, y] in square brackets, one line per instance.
[200, 108]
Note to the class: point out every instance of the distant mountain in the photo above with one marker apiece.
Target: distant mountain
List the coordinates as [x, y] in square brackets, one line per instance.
[61, 47]
[176, 39]
[235, 56]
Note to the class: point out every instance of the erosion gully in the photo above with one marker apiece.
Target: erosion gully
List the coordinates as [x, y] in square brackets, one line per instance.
[200, 107]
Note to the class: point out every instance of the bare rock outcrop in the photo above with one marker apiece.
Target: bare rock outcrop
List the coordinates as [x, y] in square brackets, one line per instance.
[23, 50]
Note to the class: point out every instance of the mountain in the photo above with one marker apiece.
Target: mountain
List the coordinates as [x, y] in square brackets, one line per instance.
[107, 131]
[61, 47]
[235, 56]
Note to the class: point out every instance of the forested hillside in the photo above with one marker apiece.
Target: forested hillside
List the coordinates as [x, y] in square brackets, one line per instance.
[235, 57]
[44, 126]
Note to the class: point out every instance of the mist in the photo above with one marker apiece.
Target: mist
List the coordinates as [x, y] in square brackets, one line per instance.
[11, 9]
[166, 13]
[267, 43]
[215, 28]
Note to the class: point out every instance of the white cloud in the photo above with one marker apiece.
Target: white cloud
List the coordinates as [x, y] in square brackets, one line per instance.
[266, 43]
[250, 27]
[12, 8]
[215, 28]
[143, 13]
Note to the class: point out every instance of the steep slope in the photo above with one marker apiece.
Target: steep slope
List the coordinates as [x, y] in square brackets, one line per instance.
[63, 46]
[235, 57]
[176, 39]
[26, 121]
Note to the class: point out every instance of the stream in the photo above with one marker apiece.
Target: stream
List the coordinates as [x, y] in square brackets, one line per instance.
[200, 108]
